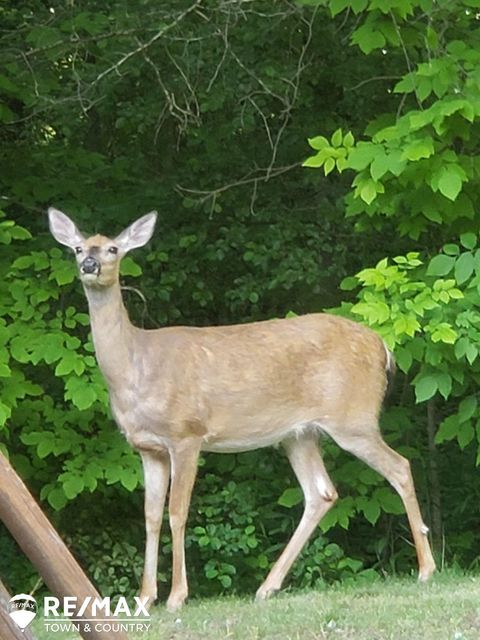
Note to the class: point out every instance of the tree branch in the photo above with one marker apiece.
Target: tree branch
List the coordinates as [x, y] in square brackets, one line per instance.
[142, 47]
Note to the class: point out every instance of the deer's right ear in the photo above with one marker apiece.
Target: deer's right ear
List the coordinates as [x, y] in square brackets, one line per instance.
[63, 229]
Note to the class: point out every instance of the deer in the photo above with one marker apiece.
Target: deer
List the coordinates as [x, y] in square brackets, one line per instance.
[178, 391]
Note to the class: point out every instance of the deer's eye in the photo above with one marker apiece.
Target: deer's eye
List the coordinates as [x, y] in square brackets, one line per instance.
[113, 250]
[78, 250]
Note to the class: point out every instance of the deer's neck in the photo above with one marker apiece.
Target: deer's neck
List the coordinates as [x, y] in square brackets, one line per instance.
[113, 333]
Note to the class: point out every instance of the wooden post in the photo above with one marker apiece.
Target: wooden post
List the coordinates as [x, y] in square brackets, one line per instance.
[8, 628]
[43, 546]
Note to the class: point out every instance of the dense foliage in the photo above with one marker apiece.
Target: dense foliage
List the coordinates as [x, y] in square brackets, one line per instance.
[108, 110]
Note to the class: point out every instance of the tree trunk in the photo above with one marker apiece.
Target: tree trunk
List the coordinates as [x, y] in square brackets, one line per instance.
[436, 521]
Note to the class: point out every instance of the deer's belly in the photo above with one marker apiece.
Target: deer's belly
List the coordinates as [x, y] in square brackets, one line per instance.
[231, 441]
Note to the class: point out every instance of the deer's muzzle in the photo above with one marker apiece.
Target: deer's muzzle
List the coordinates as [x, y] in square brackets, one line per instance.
[90, 265]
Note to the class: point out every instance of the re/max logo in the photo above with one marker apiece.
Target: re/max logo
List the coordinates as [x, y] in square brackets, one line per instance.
[73, 606]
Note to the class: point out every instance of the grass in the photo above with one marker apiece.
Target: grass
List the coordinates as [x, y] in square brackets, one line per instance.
[447, 608]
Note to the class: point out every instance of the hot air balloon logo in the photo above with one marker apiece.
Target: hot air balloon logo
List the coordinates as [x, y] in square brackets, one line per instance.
[22, 608]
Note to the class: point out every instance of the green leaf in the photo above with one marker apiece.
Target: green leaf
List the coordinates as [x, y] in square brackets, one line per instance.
[451, 249]
[455, 294]
[23, 262]
[345, 509]
[5, 371]
[471, 353]
[371, 509]
[349, 283]
[337, 138]
[440, 265]
[317, 160]
[63, 272]
[348, 140]
[187, 241]
[57, 499]
[375, 311]
[450, 184]
[395, 163]
[425, 388]
[469, 240]
[226, 581]
[329, 520]
[464, 267]
[418, 149]
[448, 429]
[444, 333]
[389, 500]
[5, 413]
[368, 192]
[73, 486]
[467, 408]
[379, 166]
[81, 392]
[66, 364]
[290, 497]
[19, 233]
[129, 479]
[318, 143]
[128, 267]
[45, 447]
[465, 434]
[444, 381]
[403, 358]
[461, 347]
[430, 211]
[328, 166]
[368, 39]
[358, 5]
[337, 6]
[406, 84]
[362, 155]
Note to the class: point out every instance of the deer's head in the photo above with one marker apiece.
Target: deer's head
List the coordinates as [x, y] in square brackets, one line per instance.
[98, 257]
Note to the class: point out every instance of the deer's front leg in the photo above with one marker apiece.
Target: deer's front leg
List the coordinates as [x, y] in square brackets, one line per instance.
[184, 460]
[156, 471]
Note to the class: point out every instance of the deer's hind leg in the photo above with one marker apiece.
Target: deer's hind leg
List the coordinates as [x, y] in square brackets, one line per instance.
[369, 446]
[319, 495]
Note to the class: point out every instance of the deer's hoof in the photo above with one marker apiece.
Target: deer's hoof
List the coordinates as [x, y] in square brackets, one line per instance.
[426, 572]
[264, 593]
[175, 602]
[147, 599]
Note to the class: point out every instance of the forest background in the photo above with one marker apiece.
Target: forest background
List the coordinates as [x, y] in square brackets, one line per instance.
[319, 155]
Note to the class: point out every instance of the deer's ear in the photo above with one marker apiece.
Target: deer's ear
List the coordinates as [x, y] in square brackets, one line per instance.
[138, 233]
[63, 229]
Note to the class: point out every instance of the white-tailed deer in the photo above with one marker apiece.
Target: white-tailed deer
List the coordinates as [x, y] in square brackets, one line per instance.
[180, 390]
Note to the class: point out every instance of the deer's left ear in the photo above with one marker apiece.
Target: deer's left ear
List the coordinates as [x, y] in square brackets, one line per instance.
[138, 233]
[63, 229]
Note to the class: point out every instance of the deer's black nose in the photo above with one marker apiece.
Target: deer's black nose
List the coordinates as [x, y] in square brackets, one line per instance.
[90, 265]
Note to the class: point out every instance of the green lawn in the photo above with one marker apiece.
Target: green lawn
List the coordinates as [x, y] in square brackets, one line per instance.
[448, 608]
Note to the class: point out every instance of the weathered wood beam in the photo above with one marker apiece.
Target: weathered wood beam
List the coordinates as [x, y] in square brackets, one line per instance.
[43, 546]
